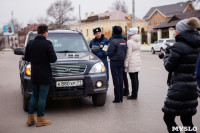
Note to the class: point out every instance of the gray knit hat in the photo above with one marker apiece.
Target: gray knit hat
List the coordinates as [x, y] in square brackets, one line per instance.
[187, 24]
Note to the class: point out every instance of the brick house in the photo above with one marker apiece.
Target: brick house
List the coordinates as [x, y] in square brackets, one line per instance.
[23, 32]
[161, 14]
[171, 24]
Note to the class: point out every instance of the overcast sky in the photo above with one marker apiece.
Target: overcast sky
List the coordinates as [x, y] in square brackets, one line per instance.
[28, 10]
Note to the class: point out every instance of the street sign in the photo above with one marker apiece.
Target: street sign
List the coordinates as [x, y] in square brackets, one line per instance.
[8, 30]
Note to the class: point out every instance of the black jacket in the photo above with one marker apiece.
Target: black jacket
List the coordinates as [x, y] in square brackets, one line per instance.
[40, 53]
[182, 94]
[117, 49]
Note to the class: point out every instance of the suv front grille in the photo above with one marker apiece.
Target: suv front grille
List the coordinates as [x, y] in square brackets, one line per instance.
[62, 70]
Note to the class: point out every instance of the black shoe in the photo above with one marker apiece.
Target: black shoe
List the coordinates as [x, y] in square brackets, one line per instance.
[131, 97]
[126, 92]
[116, 101]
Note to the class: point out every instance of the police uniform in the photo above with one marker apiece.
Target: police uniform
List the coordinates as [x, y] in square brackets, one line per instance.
[101, 43]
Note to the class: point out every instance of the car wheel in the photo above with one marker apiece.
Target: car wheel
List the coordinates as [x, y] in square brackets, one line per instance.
[99, 99]
[152, 51]
[26, 103]
[162, 50]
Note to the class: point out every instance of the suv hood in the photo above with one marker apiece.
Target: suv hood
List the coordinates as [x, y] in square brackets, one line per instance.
[76, 56]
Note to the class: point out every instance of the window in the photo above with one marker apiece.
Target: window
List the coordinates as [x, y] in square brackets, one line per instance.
[87, 32]
[170, 41]
[188, 10]
[154, 22]
[160, 41]
[125, 29]
[66, 42]
[149, 24]
[161, 21]
[157, 13]
[138, 29]
[102, 30]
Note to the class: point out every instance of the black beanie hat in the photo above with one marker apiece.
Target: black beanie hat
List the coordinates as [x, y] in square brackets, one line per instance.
[117, 30]
[98, 29]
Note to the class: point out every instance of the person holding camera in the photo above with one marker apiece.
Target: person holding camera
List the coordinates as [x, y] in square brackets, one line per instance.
[180, 61]
[133, 60]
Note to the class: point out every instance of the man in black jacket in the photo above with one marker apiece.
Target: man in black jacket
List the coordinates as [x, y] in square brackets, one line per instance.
[117, 54]
[40, 53]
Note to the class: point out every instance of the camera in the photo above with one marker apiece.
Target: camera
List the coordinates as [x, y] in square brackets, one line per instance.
[166, 50]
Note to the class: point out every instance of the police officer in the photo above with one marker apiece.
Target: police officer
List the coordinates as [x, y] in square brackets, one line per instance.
[117, 54]
[101, 42]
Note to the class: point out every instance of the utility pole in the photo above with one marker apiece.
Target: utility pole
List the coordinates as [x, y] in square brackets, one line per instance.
[79, 17]
[133, 11]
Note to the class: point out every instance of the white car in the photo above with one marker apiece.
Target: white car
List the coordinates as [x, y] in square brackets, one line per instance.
[161, 44]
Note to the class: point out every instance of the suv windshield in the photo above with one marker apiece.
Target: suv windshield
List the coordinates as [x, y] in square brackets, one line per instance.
[64, 42]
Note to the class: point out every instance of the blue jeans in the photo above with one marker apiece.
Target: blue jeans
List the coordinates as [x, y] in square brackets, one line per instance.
[117, 69]
[38, 99]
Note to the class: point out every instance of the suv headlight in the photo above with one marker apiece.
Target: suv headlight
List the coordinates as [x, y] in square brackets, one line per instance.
[98, 68]
[28, 70]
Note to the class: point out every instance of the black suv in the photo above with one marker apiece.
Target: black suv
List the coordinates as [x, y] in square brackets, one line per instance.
[78, 73]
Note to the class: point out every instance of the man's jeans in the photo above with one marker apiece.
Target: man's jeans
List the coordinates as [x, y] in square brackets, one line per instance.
[38, 99]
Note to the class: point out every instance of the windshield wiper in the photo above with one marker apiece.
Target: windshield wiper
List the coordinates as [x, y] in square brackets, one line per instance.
[66, 51]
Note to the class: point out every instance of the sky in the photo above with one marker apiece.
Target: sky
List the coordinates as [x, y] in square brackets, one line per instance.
[26, 11]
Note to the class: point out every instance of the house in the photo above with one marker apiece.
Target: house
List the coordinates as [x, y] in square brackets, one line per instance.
[13, 41]
[161, 14]
[106, 21]
[23, 32]
[169, 27]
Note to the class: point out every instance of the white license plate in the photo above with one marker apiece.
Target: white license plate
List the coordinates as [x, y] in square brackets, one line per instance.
[73, 83]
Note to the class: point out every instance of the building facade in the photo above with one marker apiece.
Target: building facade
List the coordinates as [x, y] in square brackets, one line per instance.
[158, 15]
[106, 21]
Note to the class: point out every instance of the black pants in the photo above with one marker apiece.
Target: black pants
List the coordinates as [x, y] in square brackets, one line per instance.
[185, 119]
[117, 68]
[134, 83]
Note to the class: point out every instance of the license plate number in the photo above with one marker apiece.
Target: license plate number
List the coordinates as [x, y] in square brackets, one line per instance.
[73, 83]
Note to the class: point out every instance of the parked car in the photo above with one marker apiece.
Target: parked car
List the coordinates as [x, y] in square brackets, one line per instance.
[161, 44]
[78, 73]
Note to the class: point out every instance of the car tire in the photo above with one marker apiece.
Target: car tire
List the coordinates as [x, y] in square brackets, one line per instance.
[26, 103]
[99, 99]
[161, 50]
[152, 51]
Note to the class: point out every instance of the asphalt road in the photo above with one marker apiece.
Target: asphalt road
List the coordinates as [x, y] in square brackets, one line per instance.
[80, 116]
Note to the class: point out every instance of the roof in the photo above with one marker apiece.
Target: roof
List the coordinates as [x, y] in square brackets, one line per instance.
[116, 15]
[168, 10]
[28, 28]
[59, 31]
[176, 18]
[109, 16]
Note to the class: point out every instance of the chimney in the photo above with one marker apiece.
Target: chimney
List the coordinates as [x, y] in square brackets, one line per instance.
[92, 14]
[28, 25]
[86, 15]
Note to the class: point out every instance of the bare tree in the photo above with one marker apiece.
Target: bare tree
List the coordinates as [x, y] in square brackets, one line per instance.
[61, 11]
[42, 20]
[120, 5]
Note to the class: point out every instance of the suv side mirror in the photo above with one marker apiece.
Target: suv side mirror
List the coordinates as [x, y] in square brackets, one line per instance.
[19, 51]
[95, 49]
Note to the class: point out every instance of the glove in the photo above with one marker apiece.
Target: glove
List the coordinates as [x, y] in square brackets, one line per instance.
[99, 54]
